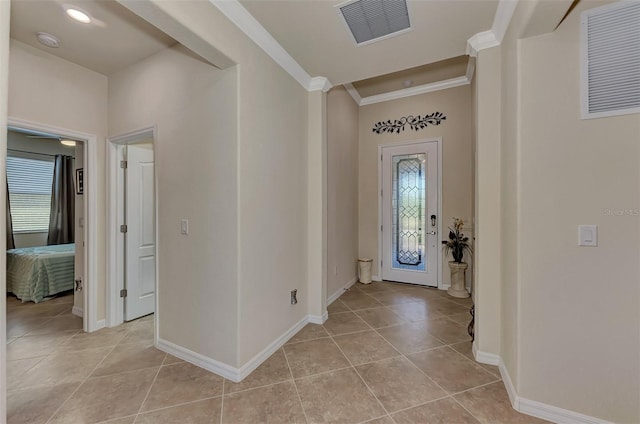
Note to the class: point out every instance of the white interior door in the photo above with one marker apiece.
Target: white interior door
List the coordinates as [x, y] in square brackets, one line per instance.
[409, 202]
[140, 238]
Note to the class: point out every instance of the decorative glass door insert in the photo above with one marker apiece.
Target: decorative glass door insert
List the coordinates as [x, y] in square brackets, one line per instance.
[408, 210]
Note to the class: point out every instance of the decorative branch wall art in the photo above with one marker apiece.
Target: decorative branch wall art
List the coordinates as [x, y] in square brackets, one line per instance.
[415, 123]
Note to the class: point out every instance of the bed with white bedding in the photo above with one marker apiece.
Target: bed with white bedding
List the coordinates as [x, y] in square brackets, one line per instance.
[34, 273]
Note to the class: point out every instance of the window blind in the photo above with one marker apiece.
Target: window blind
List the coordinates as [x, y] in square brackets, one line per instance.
[30, 183]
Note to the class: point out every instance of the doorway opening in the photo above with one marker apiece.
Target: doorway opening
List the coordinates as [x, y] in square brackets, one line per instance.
[409, 211]
[132, 230]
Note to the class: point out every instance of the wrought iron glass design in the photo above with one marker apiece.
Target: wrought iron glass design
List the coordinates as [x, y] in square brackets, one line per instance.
[408, 211]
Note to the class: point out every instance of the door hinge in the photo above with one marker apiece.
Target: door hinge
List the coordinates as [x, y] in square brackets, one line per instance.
[380, 264]
[123, 228]
[380, 158]
[123, 293]
[381, 228]
[123, 164]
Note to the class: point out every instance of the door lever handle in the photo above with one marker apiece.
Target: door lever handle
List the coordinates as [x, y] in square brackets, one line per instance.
[433, 233]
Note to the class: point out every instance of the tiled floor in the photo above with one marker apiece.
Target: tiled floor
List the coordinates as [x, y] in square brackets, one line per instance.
[388, 354]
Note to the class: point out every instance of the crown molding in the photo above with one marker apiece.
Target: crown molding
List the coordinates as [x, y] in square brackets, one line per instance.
[354, 93]
[319, 83]
[493, 37]
[236, 13]
[413, 91]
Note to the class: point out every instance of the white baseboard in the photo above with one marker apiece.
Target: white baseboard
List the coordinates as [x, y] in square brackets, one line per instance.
[341, 291]
[376, 278]
[317, 319]
[484, 357]
[543, 410]
[227, 371]
[100, 324]
[202, 361]
[77, 311]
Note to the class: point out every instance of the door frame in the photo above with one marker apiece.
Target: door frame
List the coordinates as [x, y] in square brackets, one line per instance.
[90, 320]
[115, 267]
[381, 146]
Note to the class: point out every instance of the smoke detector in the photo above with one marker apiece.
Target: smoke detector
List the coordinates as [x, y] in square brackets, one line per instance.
[48, 40]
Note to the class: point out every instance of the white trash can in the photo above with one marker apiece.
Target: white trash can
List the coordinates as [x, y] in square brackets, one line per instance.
[364, 265]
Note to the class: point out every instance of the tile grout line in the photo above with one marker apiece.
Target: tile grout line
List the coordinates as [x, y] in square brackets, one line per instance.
[224, 380]
[155, 377]
[295, 386]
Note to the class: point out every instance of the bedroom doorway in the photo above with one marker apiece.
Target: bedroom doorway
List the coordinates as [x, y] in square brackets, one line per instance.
[51, 267]
[132, 223]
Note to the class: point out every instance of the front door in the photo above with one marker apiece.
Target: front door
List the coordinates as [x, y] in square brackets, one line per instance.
[410, 213]
[140, 238]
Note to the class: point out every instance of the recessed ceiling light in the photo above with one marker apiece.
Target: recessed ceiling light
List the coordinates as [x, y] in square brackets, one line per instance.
[78, 15]
[48, 40]
[69, 143]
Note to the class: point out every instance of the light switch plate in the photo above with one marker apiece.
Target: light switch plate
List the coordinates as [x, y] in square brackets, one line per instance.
[184, 226]
[587, 235]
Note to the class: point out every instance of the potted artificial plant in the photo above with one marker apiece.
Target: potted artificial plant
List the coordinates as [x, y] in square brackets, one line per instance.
[457, 244]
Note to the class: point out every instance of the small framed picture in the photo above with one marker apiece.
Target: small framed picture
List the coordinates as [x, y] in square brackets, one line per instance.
[80, 181]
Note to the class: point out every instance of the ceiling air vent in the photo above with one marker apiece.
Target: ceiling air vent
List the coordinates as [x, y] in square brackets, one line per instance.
[611, 60]
[373, 20]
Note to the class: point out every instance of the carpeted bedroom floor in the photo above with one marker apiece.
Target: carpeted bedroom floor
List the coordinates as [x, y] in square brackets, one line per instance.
[388, 353]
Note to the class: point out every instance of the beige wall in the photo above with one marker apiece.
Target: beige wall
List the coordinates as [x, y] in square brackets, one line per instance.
[193, 106]
[44, 89]
[457, 185]
[271, 129]
[579, 306]
[342, 188]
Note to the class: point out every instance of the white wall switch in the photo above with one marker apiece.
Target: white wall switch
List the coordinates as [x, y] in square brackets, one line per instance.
[184, 226]
[587, 235]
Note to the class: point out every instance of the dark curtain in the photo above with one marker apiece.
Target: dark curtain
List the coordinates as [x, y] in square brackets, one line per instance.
[61, 220]
[10, 242]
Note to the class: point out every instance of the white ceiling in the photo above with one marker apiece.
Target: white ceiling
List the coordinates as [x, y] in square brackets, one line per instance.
[314, 34]
[116, 39]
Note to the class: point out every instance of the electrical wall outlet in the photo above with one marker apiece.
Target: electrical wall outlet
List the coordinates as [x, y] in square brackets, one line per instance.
[294, 296]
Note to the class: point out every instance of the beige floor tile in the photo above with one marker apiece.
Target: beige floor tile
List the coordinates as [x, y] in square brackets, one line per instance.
[468, 302]
[182, 383]
[373, 287]
[398, 384]
[367, 346]
[21, 326]
[102, 338]
[337, 306]
[40, 310]
[309, 332]
[443, 411]
[104, 398]
[63, 367]
[313, 357]
[451, 370]
[125, 420]
[445, 330]
[337, 397]
[201, 412]
[360, 300]
[36, 405]
[130, 357]
[273, 370]
[346, 322]
[140, 332]
[491, 405]
[415, 311]
[395, 297]
[60, 323]
[409, 338]
[32, 346]
[462, 319]
[170, 359]
[465, 349]
[16, 369]
[382, 420]
[380, 317]
[276, 404]
[447, 307]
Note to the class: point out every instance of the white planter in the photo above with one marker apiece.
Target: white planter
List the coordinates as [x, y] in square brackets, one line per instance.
[457, 288]
[364, 266]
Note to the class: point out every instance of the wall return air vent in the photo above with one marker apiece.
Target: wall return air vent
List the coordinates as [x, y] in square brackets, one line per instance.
[611, 60]
[374, 20]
